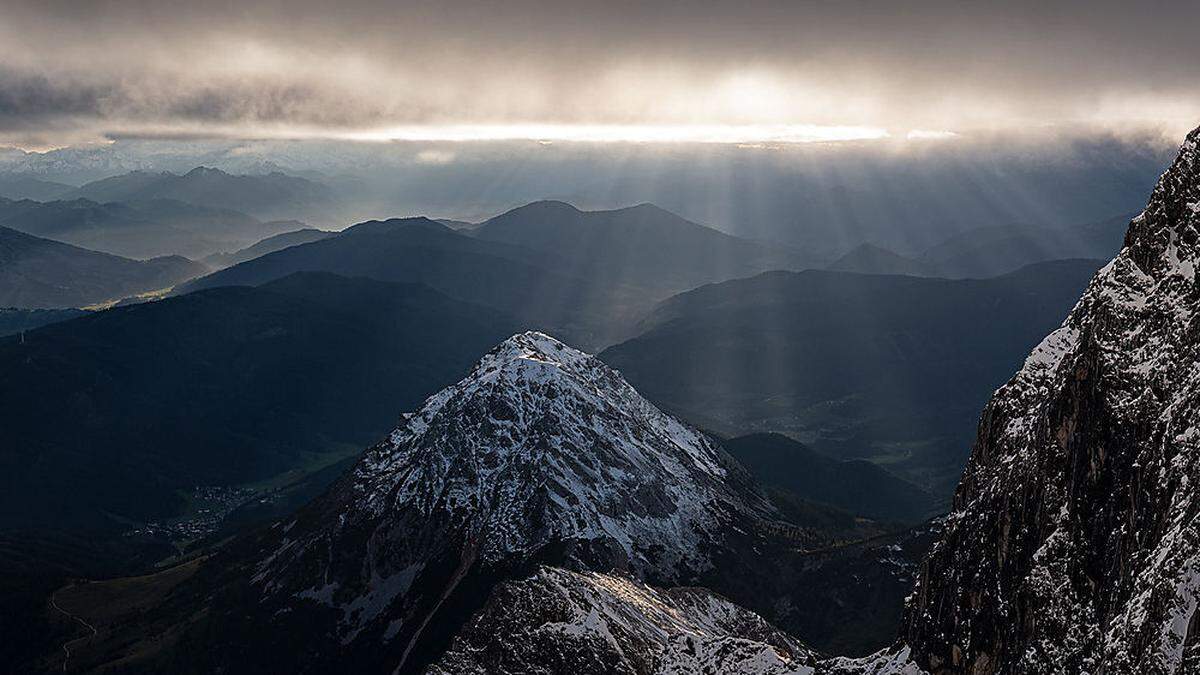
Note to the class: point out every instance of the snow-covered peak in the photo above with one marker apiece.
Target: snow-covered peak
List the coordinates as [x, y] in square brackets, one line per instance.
[541, 454]
[541, 430]
[531, 375]
[533, 346]
[530, 362]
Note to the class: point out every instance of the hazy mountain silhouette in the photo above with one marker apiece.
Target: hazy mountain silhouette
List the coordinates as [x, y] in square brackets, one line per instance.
[872, 259]
[270, 196]
[991, 251]
[457, 224]
[585, 275]
[36, 272]
[507, 277]
[269, 245]
[642, 245]
[140, 229]
[21, 186]
[892, 368]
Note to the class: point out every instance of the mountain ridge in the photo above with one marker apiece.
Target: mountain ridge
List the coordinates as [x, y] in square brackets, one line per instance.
[139, 228]
[270, 196]
[641, 245]
[891, 368]
[39, 273]
[1077, 505]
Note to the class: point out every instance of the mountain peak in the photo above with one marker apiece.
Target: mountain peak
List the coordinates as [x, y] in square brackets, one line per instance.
[647, 207]
[533, 348]
[542, 454]
[546, 206]
[551, 403]
[1191, 144]
[1169, 220]
[395, 224]
[204, 171]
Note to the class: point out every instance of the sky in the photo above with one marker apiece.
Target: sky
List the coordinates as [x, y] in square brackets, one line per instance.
[727, 72]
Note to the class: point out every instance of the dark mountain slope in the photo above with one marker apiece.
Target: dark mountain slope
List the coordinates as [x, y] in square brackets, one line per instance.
[856, 486]
[40, 273]
[109, 415]
[889, 368]
[14, 321]
[271, 244]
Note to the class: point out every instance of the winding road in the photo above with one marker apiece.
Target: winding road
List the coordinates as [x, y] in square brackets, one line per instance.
[67, 645]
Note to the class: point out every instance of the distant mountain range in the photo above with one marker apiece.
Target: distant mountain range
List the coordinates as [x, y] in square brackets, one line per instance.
[948, 249]
[22, 186]
[140, 229]
[273, 196]
[641, 246]
[816, 198]
[888, 368]
[40, 273]
[991, 251]
[586, 275]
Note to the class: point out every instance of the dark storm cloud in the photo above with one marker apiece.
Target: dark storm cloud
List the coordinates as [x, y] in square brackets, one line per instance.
[29, 96]
[312, 68]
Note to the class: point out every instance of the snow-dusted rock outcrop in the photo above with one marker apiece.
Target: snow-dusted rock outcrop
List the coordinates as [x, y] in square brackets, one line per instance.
[557, 621]
[1073, 546]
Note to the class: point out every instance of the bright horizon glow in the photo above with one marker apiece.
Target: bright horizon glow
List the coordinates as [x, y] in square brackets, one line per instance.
[930, 135]
[627, 133]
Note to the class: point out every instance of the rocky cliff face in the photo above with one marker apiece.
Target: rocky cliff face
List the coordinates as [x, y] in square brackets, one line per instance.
[1073, 545]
